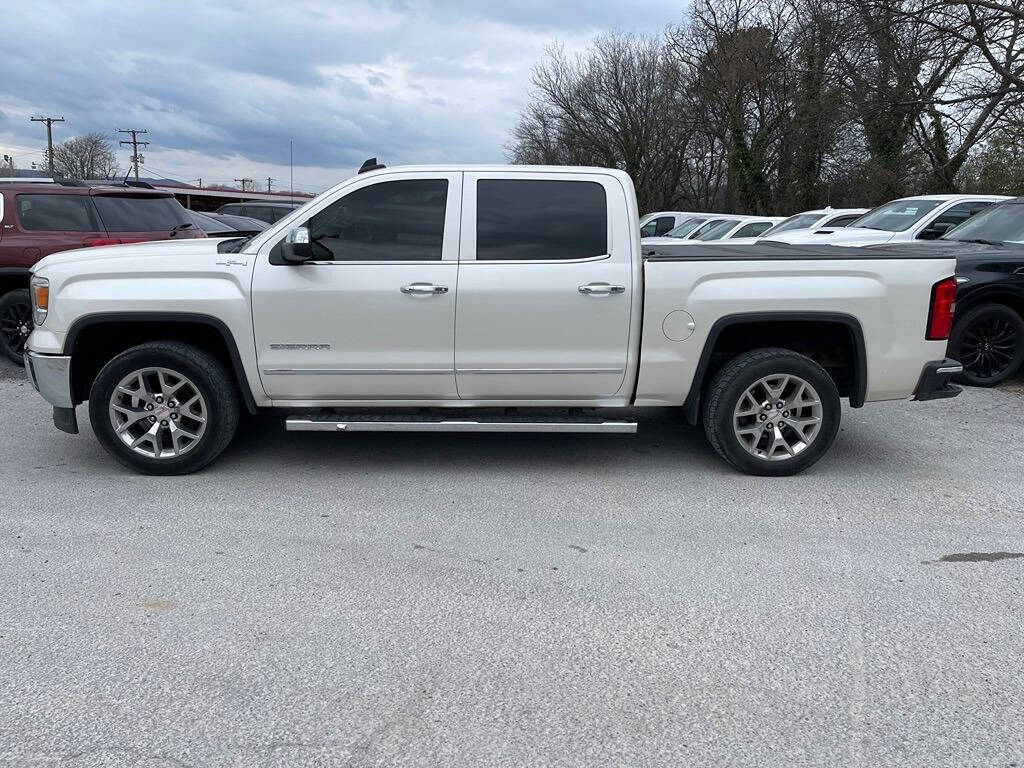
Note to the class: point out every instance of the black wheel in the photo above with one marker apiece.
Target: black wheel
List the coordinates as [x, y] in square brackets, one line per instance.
[772, 412]
[989, 342]
[15, 323]
[164, 408]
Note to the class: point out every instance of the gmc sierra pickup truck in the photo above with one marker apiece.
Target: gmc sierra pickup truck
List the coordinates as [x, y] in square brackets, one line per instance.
[488, 299]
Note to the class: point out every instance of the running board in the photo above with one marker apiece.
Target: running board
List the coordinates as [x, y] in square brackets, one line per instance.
[427, 423]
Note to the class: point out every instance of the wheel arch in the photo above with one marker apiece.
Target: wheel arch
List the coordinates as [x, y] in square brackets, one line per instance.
[994, 295]
[747, 330]
[86, 334]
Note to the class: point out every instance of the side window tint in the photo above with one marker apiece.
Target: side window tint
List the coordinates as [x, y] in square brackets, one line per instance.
[842, 221]
[647, 230]
[67, 213]
[956, 215]
[388, 221]
[540, 220]
[664, 224]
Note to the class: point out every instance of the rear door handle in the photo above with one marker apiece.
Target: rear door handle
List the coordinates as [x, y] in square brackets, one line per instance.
[601, 289]
[424, 289]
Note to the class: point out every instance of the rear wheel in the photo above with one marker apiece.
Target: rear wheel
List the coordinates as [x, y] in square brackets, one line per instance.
[989, 343]
[164, 408]
[15, 324]
[772, 412]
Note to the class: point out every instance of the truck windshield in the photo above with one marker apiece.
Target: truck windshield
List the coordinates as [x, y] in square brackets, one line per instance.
[685, 228]
[897, 216]
[800, 221]
[717, 230]
[999, 223]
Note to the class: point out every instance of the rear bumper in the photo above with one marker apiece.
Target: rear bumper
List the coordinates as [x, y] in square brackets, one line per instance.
[51, 377]
[934, 383]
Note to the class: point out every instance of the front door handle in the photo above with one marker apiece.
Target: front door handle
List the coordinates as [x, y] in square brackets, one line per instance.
[601, 289]
[424, 289]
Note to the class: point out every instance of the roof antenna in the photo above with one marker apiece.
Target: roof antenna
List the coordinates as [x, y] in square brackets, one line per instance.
[371, 165]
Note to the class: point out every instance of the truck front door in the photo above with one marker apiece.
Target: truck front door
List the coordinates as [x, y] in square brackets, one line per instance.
[372, 316]
[545, 287]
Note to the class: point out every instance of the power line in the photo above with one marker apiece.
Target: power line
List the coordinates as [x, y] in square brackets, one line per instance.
[137, 159]
[244, 182]
[49, 136]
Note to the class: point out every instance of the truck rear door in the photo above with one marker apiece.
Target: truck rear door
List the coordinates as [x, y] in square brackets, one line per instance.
[545, 287]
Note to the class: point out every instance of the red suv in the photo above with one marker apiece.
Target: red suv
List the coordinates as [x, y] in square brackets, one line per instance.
[37, 219]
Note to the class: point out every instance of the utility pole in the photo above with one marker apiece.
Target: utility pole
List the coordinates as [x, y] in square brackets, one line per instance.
[49, 136]
[268, 183]
[137, 159]
[244, 182]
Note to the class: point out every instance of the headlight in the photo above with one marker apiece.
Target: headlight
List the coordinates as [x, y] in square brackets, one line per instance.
[40, 290]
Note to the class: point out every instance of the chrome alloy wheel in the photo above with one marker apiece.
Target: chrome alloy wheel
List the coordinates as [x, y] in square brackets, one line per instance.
[777, 417]
[158, 413]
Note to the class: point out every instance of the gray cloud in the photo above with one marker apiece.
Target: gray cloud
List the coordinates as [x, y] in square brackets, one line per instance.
[407, 81]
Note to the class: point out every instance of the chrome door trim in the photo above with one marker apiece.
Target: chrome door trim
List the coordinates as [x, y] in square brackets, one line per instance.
[520, 371]
[356, 371]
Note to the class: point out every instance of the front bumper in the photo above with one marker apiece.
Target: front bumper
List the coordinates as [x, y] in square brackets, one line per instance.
[934, 383]
[51, 377]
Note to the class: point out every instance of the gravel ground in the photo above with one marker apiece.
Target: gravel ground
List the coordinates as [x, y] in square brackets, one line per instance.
[400, 600]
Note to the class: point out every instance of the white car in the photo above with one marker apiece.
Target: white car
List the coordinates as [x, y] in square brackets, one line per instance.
[661, 222]
[343, 315]
[715, 228]
[925, 217]
[823, 217]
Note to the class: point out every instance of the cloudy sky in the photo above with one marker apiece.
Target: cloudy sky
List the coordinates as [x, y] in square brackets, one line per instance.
[222, 87]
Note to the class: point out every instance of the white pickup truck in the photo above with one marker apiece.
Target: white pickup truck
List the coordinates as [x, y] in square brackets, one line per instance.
[489, 299]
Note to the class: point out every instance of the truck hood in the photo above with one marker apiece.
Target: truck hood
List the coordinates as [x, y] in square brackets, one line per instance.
[96, 258]
[837, 236]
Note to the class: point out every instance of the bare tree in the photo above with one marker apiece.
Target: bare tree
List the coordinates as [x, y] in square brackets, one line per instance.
[617, 106]
[85, 157]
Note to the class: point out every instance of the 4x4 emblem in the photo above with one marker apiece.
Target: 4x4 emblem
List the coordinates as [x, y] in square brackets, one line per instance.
[233, 263]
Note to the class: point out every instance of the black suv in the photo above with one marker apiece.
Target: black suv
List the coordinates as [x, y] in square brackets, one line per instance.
[988, 328]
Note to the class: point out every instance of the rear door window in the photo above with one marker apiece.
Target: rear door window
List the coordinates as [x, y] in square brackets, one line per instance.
[258, 212]
[540, 220]
[58, 213]
[658, 227]
[139, 213]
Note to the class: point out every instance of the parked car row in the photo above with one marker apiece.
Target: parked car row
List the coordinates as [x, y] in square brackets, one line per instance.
[985, 233]
[40, 218]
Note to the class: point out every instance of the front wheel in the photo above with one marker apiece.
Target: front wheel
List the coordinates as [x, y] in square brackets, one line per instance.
[164, 408]
[772, 412]
[15, 324]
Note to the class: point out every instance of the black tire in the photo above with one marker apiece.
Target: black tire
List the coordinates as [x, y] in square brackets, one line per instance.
[15, 315]
[210, 379]
[730, 385]
[989, 343]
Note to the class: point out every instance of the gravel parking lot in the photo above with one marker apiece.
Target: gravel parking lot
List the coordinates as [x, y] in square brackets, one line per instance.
[530, 600]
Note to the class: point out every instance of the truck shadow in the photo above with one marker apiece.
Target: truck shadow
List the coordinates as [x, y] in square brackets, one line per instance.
[663, 437]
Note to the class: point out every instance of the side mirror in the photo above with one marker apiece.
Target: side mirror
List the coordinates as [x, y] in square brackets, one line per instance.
[934, 231]
[297, 247]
